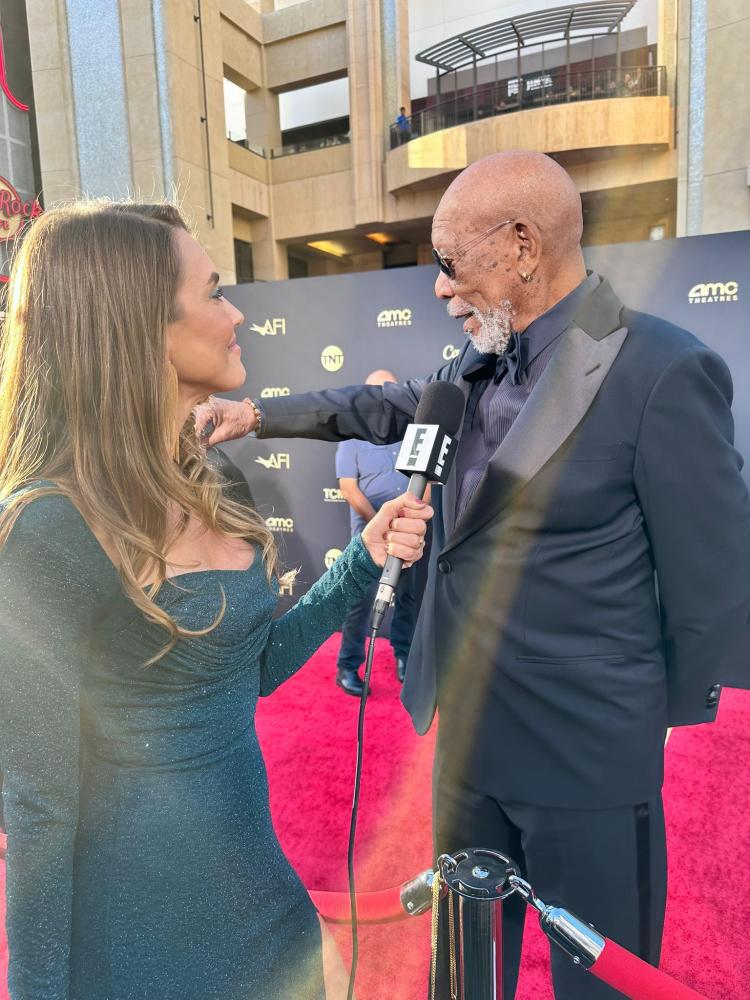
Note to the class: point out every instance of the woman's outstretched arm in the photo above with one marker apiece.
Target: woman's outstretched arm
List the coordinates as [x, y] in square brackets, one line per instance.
[45, 616]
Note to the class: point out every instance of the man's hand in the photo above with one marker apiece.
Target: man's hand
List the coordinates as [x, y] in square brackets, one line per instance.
[219, 420]
[398, 529]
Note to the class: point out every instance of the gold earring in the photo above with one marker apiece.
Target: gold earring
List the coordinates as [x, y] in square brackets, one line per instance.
[173, 400]
[526, 276]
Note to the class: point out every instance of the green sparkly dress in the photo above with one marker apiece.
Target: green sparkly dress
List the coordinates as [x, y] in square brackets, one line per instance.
[142, 861]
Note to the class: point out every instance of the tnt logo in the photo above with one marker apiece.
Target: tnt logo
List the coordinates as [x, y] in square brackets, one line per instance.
[714, 291]
[275, 390]
[279, 460]
[394, 317]
[450, 352]
[332, 495]
[271, 328]
[330, 557]
[332, 358]
[284, 524]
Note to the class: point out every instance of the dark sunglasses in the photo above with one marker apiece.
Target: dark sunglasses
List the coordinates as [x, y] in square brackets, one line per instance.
[446, 264]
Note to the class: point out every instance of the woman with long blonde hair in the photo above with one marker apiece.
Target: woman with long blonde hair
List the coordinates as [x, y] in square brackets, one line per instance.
[136, 632]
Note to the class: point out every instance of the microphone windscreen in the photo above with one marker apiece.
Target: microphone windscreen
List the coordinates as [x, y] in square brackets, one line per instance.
[441, 403]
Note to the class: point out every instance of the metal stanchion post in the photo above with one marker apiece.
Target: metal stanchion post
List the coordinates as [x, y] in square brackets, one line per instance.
[477, 882]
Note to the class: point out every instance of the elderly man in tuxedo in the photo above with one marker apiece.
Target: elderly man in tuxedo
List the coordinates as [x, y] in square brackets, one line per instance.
[589, 582]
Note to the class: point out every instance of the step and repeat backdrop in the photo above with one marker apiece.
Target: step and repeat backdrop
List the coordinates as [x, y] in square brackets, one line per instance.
[328, 332]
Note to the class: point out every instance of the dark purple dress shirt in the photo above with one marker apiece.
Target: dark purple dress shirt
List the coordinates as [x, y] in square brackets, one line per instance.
[493, 406]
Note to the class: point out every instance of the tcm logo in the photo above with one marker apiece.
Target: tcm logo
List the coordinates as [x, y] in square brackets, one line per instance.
[333, 496]
[332, 358]
[714, 291]
[280, 523]
[280, 460]
[450, 352]
[394, 317]
[275, 390]
[331, 556]
[271, 328]
[286, 590]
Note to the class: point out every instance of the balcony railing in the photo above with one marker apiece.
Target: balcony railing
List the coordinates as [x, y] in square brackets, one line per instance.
[537, 90]
[258, 150]
[325, 142]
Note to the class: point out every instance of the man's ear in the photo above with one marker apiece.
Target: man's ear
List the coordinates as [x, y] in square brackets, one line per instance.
[529, 246]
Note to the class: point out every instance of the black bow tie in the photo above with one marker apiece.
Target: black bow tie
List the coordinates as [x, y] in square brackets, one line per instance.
[513, 361]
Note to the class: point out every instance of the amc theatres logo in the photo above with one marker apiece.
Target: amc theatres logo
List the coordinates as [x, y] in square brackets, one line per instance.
[450, 352]
[332, 358]
[279, 460]
[271, 328]
[333, 496]
[330, 557]
[280, 524]
[714, 291]
[275, 390]
[394, 317]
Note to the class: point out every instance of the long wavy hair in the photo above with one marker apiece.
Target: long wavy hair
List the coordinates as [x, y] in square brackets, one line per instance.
[88, 399]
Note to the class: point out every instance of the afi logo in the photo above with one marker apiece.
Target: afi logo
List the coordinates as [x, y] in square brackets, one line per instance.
[286, 590]
[450, 352]
[280, 460]
[714, 291]
[275, 390]
[394, 317]
[271, 328]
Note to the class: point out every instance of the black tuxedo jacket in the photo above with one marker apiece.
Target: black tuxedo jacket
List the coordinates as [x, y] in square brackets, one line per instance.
[597, 587]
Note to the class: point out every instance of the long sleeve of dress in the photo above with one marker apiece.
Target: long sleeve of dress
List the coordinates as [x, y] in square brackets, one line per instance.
[45, 612]
[295, 636]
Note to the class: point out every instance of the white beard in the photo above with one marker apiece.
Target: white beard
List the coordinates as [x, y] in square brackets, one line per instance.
[495, 328]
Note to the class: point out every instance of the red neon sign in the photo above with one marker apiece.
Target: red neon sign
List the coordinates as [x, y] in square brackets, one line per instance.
[4, 80]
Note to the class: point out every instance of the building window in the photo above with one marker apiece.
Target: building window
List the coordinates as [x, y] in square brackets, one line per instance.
[243, 262]
[298, 267]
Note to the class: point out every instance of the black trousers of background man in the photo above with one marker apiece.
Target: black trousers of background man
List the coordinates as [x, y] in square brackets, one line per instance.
[606, 865]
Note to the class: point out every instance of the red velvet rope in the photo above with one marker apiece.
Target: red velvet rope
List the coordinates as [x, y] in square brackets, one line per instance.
[635, 978]
[372, 907]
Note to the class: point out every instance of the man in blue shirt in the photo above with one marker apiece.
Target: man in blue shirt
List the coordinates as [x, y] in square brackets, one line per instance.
[367, 478]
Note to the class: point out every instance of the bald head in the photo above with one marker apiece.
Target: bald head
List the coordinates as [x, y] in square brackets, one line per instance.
[508, 232]
[520, 184]
[380, 376]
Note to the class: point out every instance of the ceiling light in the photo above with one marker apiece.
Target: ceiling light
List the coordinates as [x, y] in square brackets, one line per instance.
[382, 238]
[330, 247]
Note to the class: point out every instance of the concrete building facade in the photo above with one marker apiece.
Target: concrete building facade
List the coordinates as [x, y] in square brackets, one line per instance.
[129, 100]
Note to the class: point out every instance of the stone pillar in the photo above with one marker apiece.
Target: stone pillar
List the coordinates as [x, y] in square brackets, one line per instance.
[366, 108]
[262, 118]
[270, 259]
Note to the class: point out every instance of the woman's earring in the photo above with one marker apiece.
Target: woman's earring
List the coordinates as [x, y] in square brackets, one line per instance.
[526, 276]
[173, 399]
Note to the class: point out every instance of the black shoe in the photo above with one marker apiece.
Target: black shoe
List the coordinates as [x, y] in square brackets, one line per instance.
[349, 681]
[400, 668]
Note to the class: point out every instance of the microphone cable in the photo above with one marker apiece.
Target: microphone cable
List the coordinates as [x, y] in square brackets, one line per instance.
[355, 812]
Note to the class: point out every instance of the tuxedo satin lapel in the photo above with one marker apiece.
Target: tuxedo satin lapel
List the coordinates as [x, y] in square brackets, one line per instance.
[450, 490]
[560, 400]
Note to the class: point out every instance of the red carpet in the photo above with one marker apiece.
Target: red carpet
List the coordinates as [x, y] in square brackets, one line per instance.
[308, 731]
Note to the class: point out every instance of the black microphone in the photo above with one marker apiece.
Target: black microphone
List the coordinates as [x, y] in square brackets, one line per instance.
[427, 454]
